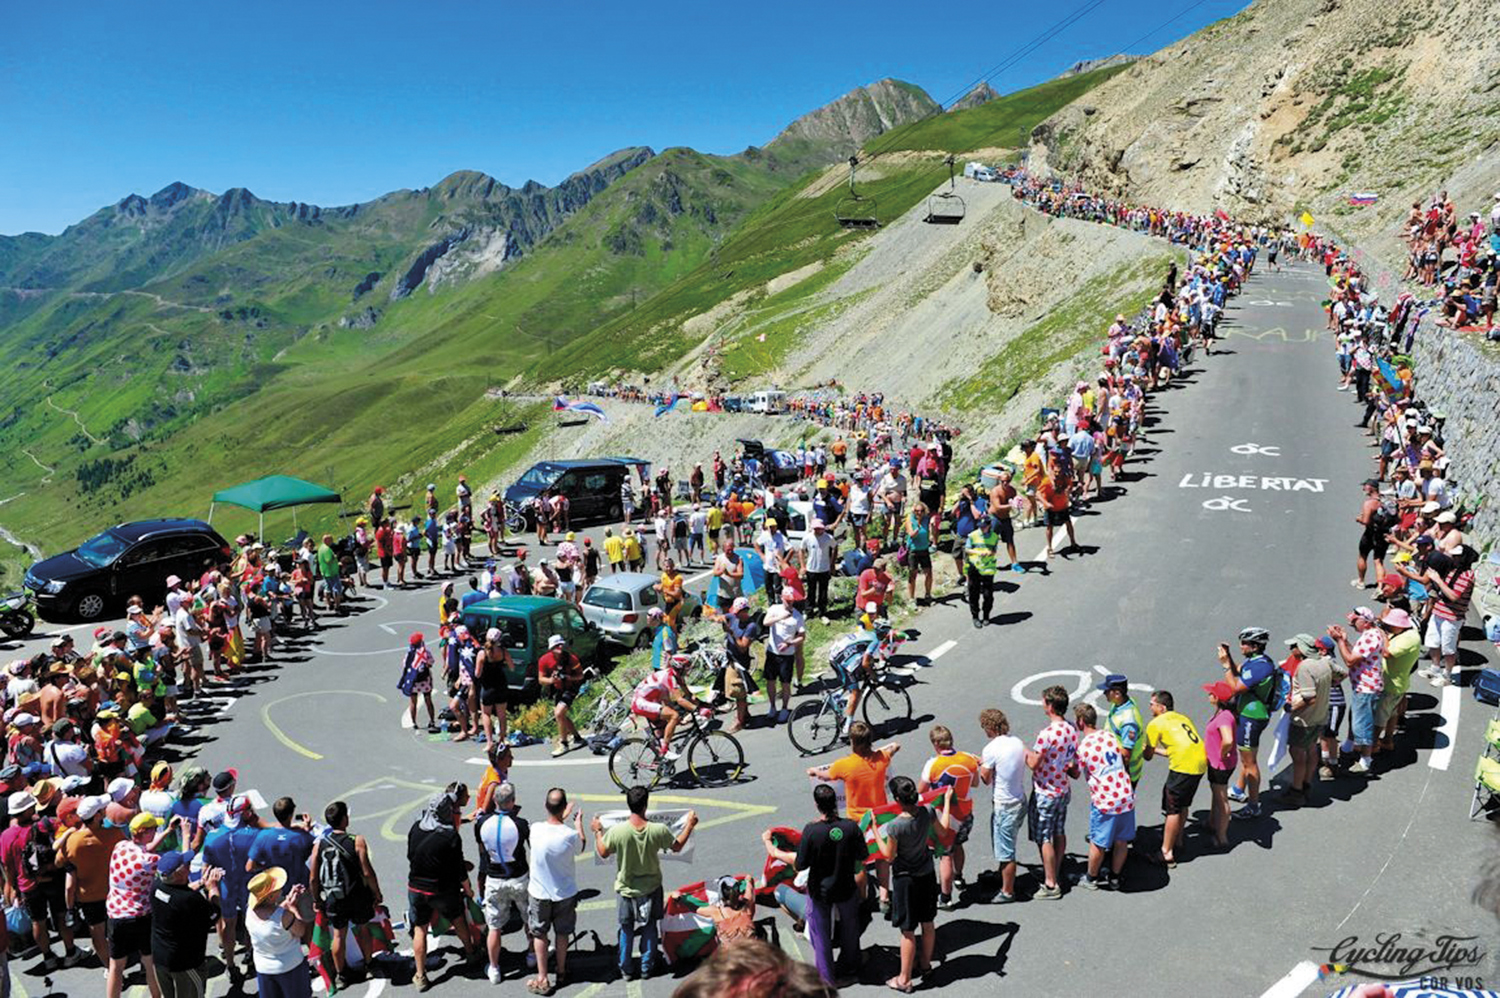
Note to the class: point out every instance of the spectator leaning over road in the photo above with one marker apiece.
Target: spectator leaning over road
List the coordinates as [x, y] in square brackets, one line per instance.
[344, 887]
[1123, 720]
[1111, 800]
[958, 770]
[503, 836]
[183, 915]
[1364, 660]
[1308, 703]
[438, 881]
[1254, 684]
[904, 842]
[1174, 736]
[1052, 758]
[276, 932]
[552, 891]
[560, 673]
[1218, 750]
[637, 845]
[1003, 765]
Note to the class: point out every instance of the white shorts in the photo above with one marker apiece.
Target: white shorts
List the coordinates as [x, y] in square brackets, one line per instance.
[645, 707]
[500, 896]
[1442, 635]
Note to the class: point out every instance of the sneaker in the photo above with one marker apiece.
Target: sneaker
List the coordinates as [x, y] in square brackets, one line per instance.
[1045, 893]
[670, 756]
[493, 973]
[1002, 898]
[561, 748]
[978, 623]
[1440, 680]
[420, 981]
[946, 902]
[1018, 568]
[1357, 583]
[1089, 883]
[1248, 811]
[783, 715]
[959, 881]
[1238, 795]
[1326, 772]
[1362, 766]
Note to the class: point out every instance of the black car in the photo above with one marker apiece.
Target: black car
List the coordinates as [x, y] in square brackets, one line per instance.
[130, 559]
[592, 488]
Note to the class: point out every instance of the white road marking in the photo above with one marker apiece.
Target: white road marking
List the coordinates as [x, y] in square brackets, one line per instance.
[940, 651]
[320, 650]
[1442, 756]
[1295, 982]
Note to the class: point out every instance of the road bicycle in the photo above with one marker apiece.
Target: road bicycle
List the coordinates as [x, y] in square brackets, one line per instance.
[715, 758]
[815, 724]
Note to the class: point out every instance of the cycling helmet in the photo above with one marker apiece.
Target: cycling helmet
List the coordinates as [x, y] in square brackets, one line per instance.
[1255, 636]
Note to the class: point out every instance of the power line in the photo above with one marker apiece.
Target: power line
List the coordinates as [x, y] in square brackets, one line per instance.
[1180, 13]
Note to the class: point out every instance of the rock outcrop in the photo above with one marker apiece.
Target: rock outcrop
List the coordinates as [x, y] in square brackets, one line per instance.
[858, 116]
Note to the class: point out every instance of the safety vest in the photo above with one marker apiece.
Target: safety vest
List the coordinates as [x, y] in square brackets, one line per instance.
[1124, 722]
[979, 550]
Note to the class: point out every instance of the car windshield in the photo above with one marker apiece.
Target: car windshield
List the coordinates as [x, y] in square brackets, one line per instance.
[540, 476]
[607, 599]
[102, 549]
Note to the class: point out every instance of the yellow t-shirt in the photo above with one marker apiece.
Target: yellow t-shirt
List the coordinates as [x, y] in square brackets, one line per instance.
[715, 518]
[614, 549]
[632, 547]
[1174, 735]
[1031, 469]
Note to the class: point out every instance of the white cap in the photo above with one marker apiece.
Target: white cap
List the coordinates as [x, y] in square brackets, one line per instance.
[91, 806]
[556, 641]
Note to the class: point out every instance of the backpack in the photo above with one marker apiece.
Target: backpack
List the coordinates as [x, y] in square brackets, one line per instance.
[336, 879]
[39, 854]
[1281, 690]
[1383, 519]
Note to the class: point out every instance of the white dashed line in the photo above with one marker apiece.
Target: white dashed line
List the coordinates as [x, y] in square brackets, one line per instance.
[1295, 982]
[941, 650]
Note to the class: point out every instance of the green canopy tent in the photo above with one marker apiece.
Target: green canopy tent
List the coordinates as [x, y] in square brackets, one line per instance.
[273, 492]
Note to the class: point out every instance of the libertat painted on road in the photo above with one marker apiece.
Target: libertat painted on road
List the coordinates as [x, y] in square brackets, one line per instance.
[1269, 483]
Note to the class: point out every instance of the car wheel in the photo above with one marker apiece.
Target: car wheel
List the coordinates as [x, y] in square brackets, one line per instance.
[616, 513]
[643, 640]
[89, 607]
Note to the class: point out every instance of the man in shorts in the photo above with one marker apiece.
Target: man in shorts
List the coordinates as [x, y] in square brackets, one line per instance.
[552, 890]
[1174, 736]
[1053, 756]
[729, 571]
[1101, 758]
[959, 770]
[1001, 496]
[1032, 474]
[503, 836]
[786, 632]
[1254, 684]
[560, 673]
[351, 902]
[437, 883]
[1309, 705]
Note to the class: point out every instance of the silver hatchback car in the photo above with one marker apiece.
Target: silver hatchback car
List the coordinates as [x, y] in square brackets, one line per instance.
[619, 604]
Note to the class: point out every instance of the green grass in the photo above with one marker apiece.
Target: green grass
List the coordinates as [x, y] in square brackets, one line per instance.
[1064, 333]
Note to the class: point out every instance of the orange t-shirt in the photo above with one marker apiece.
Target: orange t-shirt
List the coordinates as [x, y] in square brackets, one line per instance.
[1031, 469]
[864, 781]
[957, 770]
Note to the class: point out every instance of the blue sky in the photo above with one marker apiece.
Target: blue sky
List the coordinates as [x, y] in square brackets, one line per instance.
[331, 102]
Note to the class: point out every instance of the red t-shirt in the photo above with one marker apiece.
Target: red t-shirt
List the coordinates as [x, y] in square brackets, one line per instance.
[793, 581]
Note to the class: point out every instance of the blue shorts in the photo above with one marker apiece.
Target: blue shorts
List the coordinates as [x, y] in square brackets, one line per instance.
[1004, 824]
[1247, 731]
[1363, 712]
[1107, 829]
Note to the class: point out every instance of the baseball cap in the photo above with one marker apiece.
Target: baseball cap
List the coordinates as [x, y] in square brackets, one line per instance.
[1113, 680]
[740, 603]
[1221, 690]
[1447, 516]
[228, 778]
[91, 806]
[1365, 612]
[144, 822]
[171, 862]
[119, 788]
[24, 719]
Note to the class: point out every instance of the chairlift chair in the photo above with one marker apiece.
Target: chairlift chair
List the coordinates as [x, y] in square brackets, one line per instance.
[855, 211]
[946, 207]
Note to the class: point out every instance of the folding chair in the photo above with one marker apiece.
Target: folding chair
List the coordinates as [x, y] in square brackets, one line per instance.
[1487, 770]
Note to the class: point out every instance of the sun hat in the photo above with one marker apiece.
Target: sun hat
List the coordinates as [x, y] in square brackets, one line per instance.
[1398, 618]
[21, 803]
[740, 603]
[266, 883]
[556, 641]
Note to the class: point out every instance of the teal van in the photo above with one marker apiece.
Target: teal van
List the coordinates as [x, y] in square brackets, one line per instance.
[527, 622]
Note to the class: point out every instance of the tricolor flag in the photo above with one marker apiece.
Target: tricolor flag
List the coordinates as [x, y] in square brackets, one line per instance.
[560, 404]
[686, 934]
[320, 944]
[1362, 199]
[776, 872]
[884, 814]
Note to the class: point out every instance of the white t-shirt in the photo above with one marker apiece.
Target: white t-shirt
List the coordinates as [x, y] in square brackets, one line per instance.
[67, 758]
[188, 631]
[1006, 756]
[859, 501]
[783, 625]
[774, 546]
[819, 551]
[697, 522]
[554, 862]
[276, 950]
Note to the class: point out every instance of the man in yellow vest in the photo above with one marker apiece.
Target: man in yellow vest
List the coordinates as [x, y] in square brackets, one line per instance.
[980, 568]
[1123, 720]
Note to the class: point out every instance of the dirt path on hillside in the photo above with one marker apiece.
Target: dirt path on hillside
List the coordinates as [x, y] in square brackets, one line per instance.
[76, 418]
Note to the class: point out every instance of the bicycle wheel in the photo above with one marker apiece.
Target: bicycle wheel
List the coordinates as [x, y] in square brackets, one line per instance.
[814, 727]
[635, 761]
[715, 758]
[887, 709]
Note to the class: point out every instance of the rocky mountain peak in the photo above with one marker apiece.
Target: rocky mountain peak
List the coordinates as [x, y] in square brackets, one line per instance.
[849, 122]
[174, 193]
[469, 184]
[981, 94]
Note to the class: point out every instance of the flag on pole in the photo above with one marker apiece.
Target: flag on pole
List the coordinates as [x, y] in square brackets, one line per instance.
[320, 944]
[560, 404]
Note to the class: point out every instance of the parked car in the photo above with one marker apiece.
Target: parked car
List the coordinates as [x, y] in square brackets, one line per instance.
[733, 403]
[592, 488]
[778, 467]
[618, 604]
[128, 559]
[526, 623]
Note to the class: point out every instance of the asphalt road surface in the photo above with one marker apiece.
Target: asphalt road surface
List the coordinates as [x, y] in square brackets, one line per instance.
[1190, 547]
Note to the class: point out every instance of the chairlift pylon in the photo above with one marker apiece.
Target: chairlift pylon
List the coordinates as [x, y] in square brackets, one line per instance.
[855, 211]
[946, 207]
